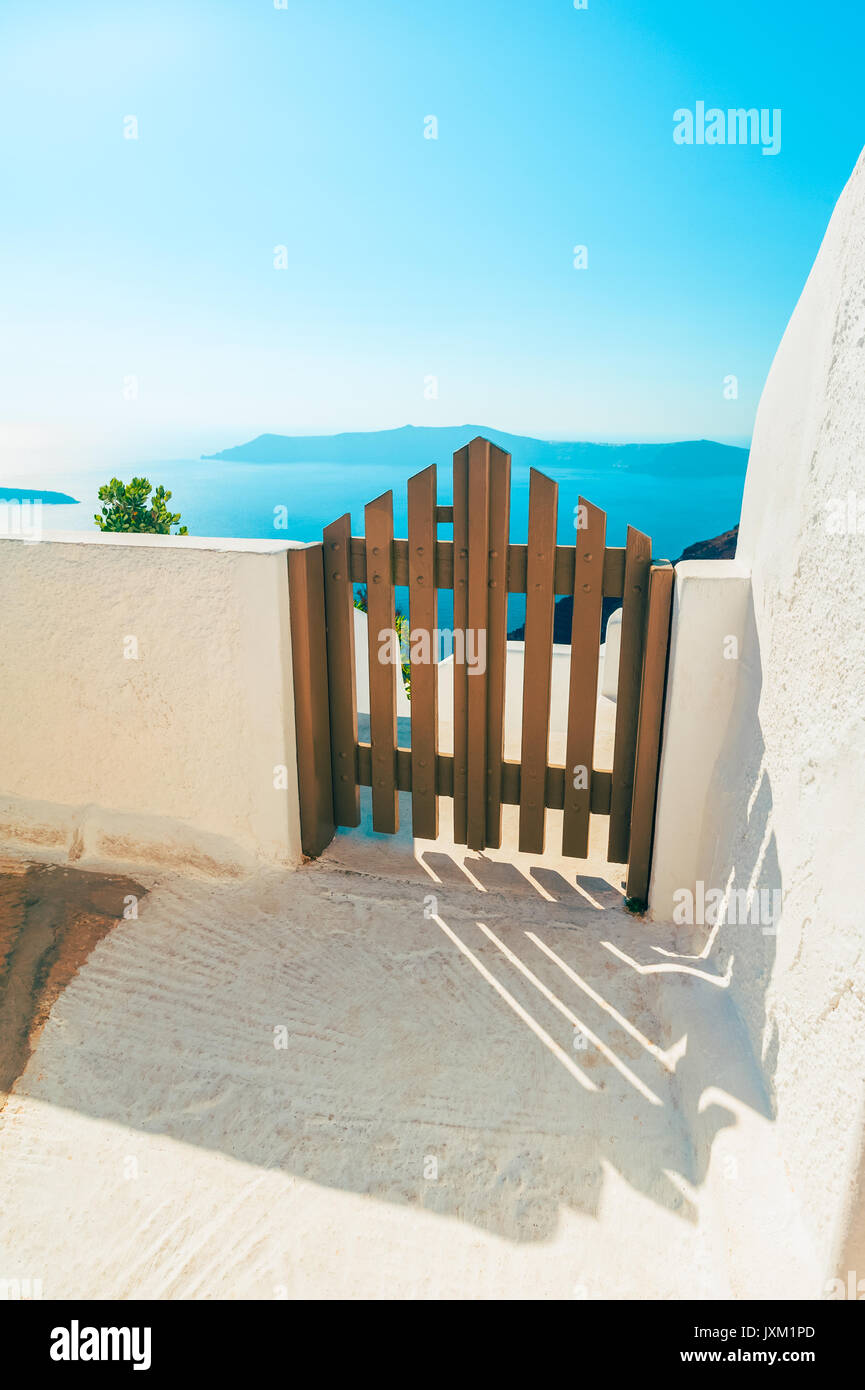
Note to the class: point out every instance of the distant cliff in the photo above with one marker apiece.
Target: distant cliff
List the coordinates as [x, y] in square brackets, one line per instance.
[721, 547]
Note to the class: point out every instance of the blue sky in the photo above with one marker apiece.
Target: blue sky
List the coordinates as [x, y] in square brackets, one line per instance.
[407, 258]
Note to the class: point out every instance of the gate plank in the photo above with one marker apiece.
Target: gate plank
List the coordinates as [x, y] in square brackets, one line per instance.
[583, 694]
[339, 607]
[649, 732]
[378, 521]
[309, 674]
[638, 559]
[422, 514]
[497, 636]
[476, 632]
[537, 659]
[461, 597]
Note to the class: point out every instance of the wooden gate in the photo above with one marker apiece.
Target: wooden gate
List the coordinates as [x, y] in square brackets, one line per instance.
[481, 566]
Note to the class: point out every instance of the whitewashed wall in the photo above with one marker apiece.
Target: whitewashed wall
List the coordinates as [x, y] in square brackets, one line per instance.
[169, 756]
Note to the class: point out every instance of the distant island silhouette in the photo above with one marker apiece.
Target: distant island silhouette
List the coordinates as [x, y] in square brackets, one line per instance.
[29, 494]
[421, 445]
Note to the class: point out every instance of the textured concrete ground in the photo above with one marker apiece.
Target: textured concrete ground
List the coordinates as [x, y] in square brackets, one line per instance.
[383, 1076]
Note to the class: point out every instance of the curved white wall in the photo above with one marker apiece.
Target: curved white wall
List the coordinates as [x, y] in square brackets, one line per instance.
[808, 456]
[774, 786]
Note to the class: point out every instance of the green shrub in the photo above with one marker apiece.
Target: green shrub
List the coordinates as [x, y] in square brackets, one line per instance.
[128, 508]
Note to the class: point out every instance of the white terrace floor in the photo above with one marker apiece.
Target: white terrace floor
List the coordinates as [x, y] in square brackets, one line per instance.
[495, 1083]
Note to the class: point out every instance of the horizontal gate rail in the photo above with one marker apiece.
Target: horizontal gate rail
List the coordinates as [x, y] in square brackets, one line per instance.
[554, 788]
[614, 566]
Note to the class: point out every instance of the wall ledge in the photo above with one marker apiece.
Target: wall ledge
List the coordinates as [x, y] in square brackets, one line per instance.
[95, 835]
[143, 540]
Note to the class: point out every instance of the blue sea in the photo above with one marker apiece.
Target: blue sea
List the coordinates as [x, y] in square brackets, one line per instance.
[244, 499]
